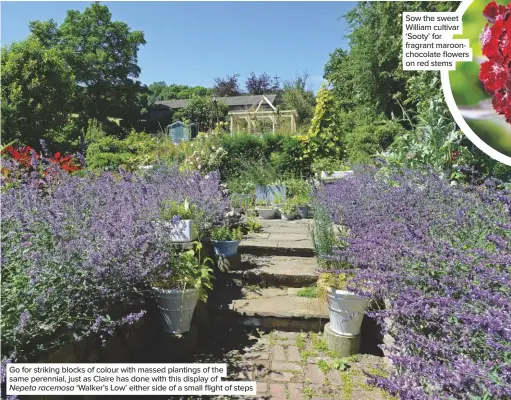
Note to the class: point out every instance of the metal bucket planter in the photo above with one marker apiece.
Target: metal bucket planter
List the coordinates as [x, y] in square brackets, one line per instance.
[346, 310]
[176, 307]
[183, 231]
[266, 213]
[304, 211]
[225, 248]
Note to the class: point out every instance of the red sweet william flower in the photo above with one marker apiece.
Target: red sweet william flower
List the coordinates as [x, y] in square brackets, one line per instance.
[495, 74]
[493, 10]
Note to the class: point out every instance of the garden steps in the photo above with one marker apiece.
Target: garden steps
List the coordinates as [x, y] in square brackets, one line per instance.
[260, 287]
[269, 308]
[276, 271]
[279, 238]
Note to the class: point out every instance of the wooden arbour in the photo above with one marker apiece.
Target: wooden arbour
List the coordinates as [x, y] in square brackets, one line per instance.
[252, 116]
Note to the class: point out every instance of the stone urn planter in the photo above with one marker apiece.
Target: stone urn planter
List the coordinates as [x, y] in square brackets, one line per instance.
[346, 310]
[267, 213]
[176, 307]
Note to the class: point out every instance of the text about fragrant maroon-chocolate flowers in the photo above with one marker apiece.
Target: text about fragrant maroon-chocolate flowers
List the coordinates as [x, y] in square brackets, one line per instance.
[123, 379]
[428, 42]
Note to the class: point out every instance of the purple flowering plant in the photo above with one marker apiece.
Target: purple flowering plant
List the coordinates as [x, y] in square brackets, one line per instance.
[78, 257]
[439, 256]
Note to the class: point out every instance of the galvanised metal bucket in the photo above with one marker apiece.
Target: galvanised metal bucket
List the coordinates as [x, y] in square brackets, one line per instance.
[346, 311]
[176, 307]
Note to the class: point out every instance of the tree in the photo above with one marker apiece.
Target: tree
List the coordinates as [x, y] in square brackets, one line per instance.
[203, 111]
[183, 92]
[228, 86]
[155, 90]
[371, 74]
[262, 84]
[103, 56]
[297, 96]
[38, 88]
[325, 131]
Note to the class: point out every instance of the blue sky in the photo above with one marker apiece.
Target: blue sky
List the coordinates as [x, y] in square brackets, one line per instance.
[191, 43]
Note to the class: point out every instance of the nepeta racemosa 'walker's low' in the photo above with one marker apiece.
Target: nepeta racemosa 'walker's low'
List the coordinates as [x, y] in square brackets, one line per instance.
[77, 254]
[441, 258]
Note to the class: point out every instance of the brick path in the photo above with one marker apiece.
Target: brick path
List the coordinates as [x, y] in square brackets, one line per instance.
[291, 365]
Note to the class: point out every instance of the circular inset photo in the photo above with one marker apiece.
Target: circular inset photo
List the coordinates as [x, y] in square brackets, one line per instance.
[481, 89]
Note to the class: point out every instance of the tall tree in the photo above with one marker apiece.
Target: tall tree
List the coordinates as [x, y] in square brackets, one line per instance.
[262, 84]
[103, 55]
[203, 111]
[296, 95]
[155, 90]
[38, 87]
[228, 86]
[370, 74]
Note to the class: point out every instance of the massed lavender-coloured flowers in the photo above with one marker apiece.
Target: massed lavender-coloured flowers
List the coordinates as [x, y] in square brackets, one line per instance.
[441, 258]
[77, 254]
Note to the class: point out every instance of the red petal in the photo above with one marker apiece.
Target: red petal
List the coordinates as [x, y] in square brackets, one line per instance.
[493, 10]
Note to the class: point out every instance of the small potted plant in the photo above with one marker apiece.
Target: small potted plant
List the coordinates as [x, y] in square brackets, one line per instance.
[237, 204]
[179, 286]
[179, 219]
[278, 200]
[303, 206]
[300, 192]
[265, 209]
[241, 203]
[289, 210]
[346, 308]
[226, 240]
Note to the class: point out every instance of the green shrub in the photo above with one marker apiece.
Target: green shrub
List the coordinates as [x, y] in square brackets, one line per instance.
[110, 152]
[290, 160]
[365, 141]
[240, 148]
[297, 188]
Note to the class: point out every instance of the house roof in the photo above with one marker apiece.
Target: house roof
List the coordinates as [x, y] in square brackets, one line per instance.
[247, 101]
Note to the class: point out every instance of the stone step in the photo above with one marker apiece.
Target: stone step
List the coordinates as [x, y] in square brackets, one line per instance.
[268, 308]
[278, 237]
[263, 246]
[275, 271]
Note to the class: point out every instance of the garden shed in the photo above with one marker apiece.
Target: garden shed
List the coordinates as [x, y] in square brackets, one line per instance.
[180, 132]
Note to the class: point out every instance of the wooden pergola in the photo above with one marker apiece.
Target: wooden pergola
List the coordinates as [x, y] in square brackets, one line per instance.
[252, 116]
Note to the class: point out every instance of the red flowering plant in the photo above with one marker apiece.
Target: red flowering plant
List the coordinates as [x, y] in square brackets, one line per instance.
[495, 73]
[24, 163]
